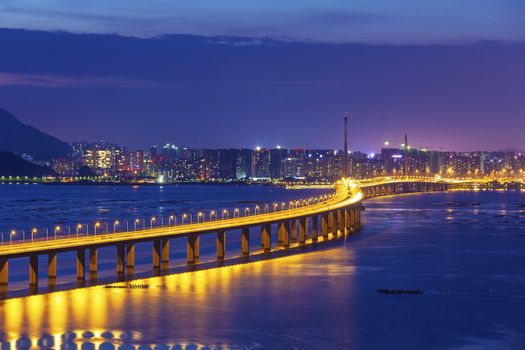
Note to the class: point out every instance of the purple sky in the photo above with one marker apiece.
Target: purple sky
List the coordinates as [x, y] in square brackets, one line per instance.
[451, 74]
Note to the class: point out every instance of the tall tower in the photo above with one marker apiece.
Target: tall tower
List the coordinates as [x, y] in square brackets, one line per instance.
[345, 150]
[406, 157]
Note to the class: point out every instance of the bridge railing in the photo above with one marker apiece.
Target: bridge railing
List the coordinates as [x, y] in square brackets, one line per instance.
[98, 228]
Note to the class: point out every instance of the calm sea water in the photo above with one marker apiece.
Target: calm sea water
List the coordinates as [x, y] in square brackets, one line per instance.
[463, 252]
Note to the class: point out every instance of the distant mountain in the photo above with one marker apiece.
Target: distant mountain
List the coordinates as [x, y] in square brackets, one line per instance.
[20, 138]
[13, 165]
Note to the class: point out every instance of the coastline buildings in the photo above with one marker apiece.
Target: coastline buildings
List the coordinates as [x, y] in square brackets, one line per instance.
[174, 164]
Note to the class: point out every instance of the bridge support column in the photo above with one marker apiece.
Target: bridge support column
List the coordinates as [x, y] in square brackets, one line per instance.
[286, 234]
[33, 270]
[303, 230]
[52, 267]
[293, 233]
[315, 228]
[165, 253]
[81, 264]
[280, 228]
[324, 226]
[245, 241]
[221, 245]
[348, 221]
[192, 248]
[4, 271]
[121, 252]
[156, 254]
[331, 222]
[340, 222]
[93, 261]
[358, 217]
[266, 237]
[279, 233]
[130, 257]
[197, 248]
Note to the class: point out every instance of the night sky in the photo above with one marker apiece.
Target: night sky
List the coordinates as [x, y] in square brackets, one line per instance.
[451, 73]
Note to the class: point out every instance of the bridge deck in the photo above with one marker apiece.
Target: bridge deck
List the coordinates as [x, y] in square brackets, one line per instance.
[354, 196]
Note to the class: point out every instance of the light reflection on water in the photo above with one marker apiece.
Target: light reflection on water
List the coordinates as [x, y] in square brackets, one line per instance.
[188, 305]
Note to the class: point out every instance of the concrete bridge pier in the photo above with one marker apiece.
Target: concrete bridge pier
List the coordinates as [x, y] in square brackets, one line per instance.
[130, 257]
[33, 270]
[293, 232]
[315, 228]
[4, 271]
[197, 248]
[52, 268]
[340, 222]
[81, 261]
[221, 245]
[156, 254]
[93, 262]
[280, 233]
[324, 226]
[266, 237]
[245, 241]
[165, 253]
[121, 251]
[286, 234]
[331, 222]
[191, 249]
[303, 229]
[348, 221]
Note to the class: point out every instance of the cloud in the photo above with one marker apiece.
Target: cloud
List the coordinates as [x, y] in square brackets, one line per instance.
[334, 21]
[55, 81]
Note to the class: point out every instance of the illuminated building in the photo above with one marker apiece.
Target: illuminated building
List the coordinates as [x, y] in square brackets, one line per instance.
[261, 163]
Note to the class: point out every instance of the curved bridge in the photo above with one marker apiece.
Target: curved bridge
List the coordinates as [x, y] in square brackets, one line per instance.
[323, 218]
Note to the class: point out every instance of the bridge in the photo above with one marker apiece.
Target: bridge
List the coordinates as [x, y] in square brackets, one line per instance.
[302, 223]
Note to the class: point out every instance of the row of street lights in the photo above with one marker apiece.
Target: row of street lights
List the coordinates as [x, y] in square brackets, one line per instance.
[172, 220]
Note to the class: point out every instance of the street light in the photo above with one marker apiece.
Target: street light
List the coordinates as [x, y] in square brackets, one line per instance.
[135, 223]
[236, 211]
[151, 222]
[225, 211]
[33, 233]
[172, 217]
[79, 226]
[13, 232]
[184, 216]
[57, 228]
[97, 225]
[115, 225]
[212, 214]
[199, 216]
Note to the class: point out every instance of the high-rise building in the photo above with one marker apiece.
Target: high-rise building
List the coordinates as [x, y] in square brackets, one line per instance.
[277, 155]
[261, 163]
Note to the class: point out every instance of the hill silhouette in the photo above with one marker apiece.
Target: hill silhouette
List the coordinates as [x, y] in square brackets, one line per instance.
[13, 165]
[19, 138]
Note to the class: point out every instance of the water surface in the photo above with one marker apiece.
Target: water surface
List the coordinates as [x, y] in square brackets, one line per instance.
[465, 252]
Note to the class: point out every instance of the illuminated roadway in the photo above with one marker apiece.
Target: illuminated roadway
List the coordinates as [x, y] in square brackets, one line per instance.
[61, 244]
